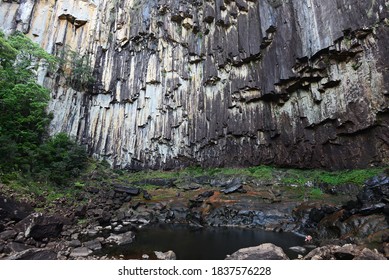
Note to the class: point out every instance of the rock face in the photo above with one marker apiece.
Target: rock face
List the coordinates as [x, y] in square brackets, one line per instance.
[221, 83]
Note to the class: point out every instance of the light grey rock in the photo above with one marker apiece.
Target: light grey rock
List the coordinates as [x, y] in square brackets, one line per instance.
[298, 249]
[169, 255]
[80, 252]
[121, 239]
[266, 251]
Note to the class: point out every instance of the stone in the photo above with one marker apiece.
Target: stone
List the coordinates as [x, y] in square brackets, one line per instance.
[146, 195]
[169, 255]
[8, 234]
[13, 210]
[39, 226]
[233, 186]
[386, 250]
[266, 251]
[94, 245]
[345, 252]
[74, 243]
[17, 247]
[145, 256]
[367, 254]
[298, 249]
[34, 254]
[128, 190]
[121, 239]
[80, 252]
[80, 211]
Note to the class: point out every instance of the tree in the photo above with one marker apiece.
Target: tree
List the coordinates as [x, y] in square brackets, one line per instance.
[23, 116]
[24, 143]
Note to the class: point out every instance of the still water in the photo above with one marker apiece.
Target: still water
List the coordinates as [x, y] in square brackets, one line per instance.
[202, 244]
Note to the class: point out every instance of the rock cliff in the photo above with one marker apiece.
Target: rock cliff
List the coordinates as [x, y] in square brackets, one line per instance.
[219, 83]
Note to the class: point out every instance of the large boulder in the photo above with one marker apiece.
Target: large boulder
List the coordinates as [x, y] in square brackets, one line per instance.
[345, 252]
[169, 255]
[80, 252]
[375, 191]
[121, 239]
[266, 251]
[13, 210]
[40, 226]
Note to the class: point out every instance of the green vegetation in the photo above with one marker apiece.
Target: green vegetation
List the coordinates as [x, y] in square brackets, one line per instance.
[76, 68]
[28, 157]
[335, 178]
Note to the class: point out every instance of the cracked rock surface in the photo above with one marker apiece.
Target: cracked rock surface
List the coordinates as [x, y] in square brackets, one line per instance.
[219, 83]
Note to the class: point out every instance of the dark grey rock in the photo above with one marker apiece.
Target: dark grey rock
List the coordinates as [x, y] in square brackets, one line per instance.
[80, 211]
[128, 190]
[74, 243]
[39, 226]
[8, 234]
[94, 245]
[17, 247]
[233, 186]
[34, 254]
[13, 210]
[146, 195]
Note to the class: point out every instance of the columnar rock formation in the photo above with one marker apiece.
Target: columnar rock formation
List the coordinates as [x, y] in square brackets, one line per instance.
[220, 83]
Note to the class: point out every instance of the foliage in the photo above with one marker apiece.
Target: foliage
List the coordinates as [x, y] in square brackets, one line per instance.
[315, 193]
[23, 118]
[58, 159]
[335, 178]
[76, 68]
[24, 145]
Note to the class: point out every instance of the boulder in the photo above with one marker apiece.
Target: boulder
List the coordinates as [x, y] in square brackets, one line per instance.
[169, 255]
[94, 245]
[121, 239]
[234, 186]
[17, 247]
[80, 211]
[298, 249]
[39, 226]
[128, 190]
[8, 234]
[146, 195]
[345, 252]
[159, 182]
[376, 190]
[34, 254]
[13, 210]
[80, 252]
[266, 251]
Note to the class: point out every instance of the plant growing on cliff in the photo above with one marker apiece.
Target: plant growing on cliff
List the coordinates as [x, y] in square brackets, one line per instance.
[76, 68]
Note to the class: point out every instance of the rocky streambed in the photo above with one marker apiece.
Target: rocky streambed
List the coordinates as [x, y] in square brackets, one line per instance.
[345, 222]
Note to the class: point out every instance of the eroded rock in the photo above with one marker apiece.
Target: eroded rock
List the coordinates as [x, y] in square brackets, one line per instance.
[266, 251]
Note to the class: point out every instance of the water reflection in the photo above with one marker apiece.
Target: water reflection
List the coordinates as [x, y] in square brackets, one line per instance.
[202, 244]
